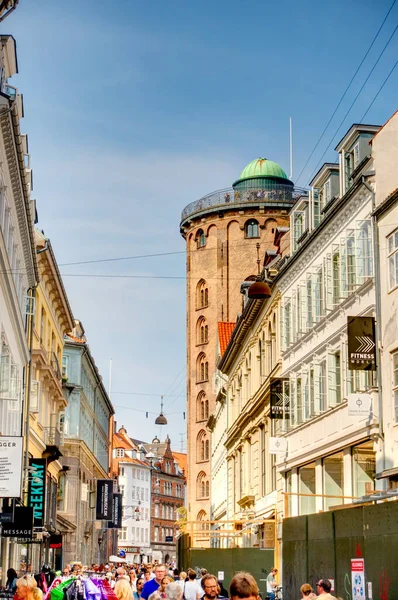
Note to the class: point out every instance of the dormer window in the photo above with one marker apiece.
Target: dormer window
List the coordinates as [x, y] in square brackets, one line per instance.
[356, 155]
[120, 452]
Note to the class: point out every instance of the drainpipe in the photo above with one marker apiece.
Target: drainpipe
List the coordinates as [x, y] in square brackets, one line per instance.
[376, 253]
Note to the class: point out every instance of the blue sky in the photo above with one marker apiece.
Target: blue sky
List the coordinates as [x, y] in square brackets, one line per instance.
[134, 109]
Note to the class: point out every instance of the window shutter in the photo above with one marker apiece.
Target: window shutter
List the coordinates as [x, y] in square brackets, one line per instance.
[34, 396]
[331, 387]
[317, 389]
[328, 282]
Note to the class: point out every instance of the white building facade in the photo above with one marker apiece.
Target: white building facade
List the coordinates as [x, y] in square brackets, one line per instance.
[385, 183]
[134, 481]
[331, 457]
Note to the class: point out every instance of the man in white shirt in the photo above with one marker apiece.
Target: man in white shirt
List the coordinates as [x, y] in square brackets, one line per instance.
[191, 589]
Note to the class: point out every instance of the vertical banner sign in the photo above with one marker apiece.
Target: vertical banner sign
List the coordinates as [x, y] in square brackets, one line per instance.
[22, 526]
[10, 467]
[279, 404]
[104, 500]
[116, 522]
[361, 343]
[37, 489]
[358, 578]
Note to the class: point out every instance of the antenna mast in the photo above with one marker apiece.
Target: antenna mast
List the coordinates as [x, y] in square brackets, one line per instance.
[291, 149]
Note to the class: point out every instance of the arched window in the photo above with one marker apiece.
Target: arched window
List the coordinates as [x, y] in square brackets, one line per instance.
[202, 368]
[202, 294]
[201, 445]
[202, 407]
[200, 238]
[251, 229]
[202, 486]
[207, 449]
[202, 331]
[207, 489]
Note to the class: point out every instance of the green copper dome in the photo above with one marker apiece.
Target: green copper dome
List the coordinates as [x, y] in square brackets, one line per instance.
[262, 167]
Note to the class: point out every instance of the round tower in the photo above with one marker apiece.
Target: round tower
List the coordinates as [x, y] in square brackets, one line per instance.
[222, 231]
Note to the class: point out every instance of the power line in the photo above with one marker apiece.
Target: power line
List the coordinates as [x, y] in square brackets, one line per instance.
[102, 260]
[380, 88]
[146, 394]
[346, 90]
[355, 99]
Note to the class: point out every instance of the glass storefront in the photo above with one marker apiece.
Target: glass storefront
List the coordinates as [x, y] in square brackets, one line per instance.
[333, 479]
[307, 486]
[363, 469]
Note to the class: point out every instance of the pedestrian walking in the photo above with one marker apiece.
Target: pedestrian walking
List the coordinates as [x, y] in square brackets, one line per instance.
[211, 588]
[323, 588]
[123, 589]
[11, 583]
[307, 591]
[243, 585]
[27, 589]
[139, 586]
[191, 587]
[152, 584]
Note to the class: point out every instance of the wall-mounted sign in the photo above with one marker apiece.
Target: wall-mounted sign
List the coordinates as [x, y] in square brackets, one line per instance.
[361, 343]
[22, 526]
[10, 466]
[117, 508]
[277, 445]
[169, 538]
[130, 549]
[358, 578]
[279, 402]
[104, 500]
[37, 489]
[359, 404]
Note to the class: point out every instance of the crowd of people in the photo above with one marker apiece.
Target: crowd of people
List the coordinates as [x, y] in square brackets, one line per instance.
[158, 582]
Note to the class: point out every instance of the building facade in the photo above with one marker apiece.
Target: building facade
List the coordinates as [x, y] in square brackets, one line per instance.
[384, 181]
[168, 494]
[85, 453]
[332, 455]
[225, 233]
[133, 474]
[19, 272]
[47, 403]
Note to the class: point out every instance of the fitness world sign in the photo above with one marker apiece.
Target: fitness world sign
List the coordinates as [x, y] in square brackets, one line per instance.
[361, 343]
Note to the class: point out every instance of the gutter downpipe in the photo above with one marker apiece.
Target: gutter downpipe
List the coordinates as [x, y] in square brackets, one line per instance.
[376, 254]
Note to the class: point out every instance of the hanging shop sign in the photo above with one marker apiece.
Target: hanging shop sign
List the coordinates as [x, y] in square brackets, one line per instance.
[55, 542]
[279, 403]
[10, 466]
[361, 343]
[358, 578]
[277, 445]
[104, 500]
[37, 489]
[22, 526]
[117, 507]
[359, 404]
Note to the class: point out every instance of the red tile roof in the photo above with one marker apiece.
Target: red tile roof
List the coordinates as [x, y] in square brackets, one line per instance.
[182, 461]
[75, 339]
[225, 330]
[121, 441]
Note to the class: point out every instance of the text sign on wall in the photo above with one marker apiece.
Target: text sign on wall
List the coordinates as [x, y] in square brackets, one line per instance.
[358, 578]
[37, 489]
[10, 466]
[117, 508]
[22, 527]
[361, 343]
[104, 500]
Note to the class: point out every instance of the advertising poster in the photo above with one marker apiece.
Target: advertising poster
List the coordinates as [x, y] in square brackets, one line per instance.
[22, 526]
[361, 343]
[104, 506]
[37, 489]
[358, 578]
[10, 466]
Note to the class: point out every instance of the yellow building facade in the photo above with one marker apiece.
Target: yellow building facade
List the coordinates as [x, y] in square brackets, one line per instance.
[53, 318]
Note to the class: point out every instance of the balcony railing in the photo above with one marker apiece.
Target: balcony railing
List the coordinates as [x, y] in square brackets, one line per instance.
[52, 436]
[55, 365]
[282, 195]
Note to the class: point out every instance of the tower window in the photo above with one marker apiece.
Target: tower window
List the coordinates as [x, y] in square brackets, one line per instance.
[201, 238]
[251, 229]
[202, 295]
